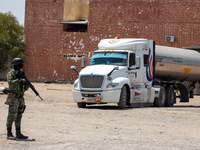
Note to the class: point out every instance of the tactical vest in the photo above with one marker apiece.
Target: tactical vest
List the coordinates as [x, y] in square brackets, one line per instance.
[15, 84]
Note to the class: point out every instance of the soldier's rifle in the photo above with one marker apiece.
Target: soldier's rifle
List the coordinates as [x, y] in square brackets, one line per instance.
[20, 75]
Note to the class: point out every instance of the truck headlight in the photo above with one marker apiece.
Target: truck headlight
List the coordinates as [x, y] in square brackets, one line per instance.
[75, 85]
[112, 85]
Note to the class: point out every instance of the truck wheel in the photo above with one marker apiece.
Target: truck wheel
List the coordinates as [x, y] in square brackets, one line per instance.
[123, 98]
[81, 105]
[161, 100]
[170, 96]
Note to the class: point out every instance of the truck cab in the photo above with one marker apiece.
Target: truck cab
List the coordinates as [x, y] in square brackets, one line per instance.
[120, 71]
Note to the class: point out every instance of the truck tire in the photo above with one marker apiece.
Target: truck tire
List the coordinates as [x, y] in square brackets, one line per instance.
[81, 105]
[170, 96]
[161, 100]
[123, 98]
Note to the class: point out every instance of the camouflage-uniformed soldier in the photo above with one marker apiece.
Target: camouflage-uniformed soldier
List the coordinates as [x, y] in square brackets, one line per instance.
[15, 99]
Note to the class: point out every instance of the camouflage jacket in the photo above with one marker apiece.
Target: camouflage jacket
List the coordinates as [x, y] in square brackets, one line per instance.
[16, 85]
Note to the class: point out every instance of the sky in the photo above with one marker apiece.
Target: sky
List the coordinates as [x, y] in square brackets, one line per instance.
[16, 7]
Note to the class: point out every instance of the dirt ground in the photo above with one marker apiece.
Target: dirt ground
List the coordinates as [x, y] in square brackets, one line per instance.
[57, 123]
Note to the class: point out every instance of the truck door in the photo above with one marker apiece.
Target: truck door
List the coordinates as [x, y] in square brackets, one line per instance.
[132, 72]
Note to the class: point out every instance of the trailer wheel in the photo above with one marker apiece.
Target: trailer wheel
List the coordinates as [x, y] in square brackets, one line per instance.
[123, 98]
[161, 100]
[170, 97]
[81, 105]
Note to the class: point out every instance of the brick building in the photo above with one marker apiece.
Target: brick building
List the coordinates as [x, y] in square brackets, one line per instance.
[53, 44]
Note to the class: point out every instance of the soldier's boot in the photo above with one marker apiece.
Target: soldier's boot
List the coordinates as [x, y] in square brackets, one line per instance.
[9, 134]
[19, 135]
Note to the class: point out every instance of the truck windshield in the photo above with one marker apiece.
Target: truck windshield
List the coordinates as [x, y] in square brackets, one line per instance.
[109, 58]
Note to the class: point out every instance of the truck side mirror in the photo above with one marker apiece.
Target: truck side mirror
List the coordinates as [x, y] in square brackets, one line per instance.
[74, 68]
[138, 58]
[114, 68]
[83, 61]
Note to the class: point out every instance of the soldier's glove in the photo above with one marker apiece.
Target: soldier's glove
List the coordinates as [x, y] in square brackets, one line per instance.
[23, 81]
[6, 91]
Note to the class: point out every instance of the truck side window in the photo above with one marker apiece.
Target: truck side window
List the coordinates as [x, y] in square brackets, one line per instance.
[132, 59]
[145, 57]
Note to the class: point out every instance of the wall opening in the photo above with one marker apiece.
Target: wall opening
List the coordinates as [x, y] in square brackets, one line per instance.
[75, 27]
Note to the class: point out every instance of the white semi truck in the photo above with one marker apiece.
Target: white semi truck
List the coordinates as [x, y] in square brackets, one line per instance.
[137, 72]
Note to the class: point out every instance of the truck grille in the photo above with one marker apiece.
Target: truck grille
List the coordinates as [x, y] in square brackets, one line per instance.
[91, 81]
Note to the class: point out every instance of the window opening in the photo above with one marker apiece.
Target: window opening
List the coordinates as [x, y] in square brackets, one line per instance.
[145, 58]
[132, 59]
[75, 27]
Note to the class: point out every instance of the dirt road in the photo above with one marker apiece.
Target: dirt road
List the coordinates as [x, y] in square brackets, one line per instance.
[57, 123]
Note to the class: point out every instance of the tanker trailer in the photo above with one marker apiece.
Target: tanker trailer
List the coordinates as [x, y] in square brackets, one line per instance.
[177, 69]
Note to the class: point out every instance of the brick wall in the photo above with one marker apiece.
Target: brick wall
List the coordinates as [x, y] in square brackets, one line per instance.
[151, 19]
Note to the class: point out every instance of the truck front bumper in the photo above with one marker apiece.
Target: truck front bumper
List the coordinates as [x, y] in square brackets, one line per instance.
[111, 96]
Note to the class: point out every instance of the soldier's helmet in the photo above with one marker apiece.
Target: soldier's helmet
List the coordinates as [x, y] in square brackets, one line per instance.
[18, 63]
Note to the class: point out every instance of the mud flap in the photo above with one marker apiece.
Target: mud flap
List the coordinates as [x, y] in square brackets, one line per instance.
[184, 92]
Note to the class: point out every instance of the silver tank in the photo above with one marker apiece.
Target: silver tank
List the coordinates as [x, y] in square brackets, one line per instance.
[177, 64]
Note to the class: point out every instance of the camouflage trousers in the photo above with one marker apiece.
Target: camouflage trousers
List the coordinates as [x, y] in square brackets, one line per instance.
[15, 112]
